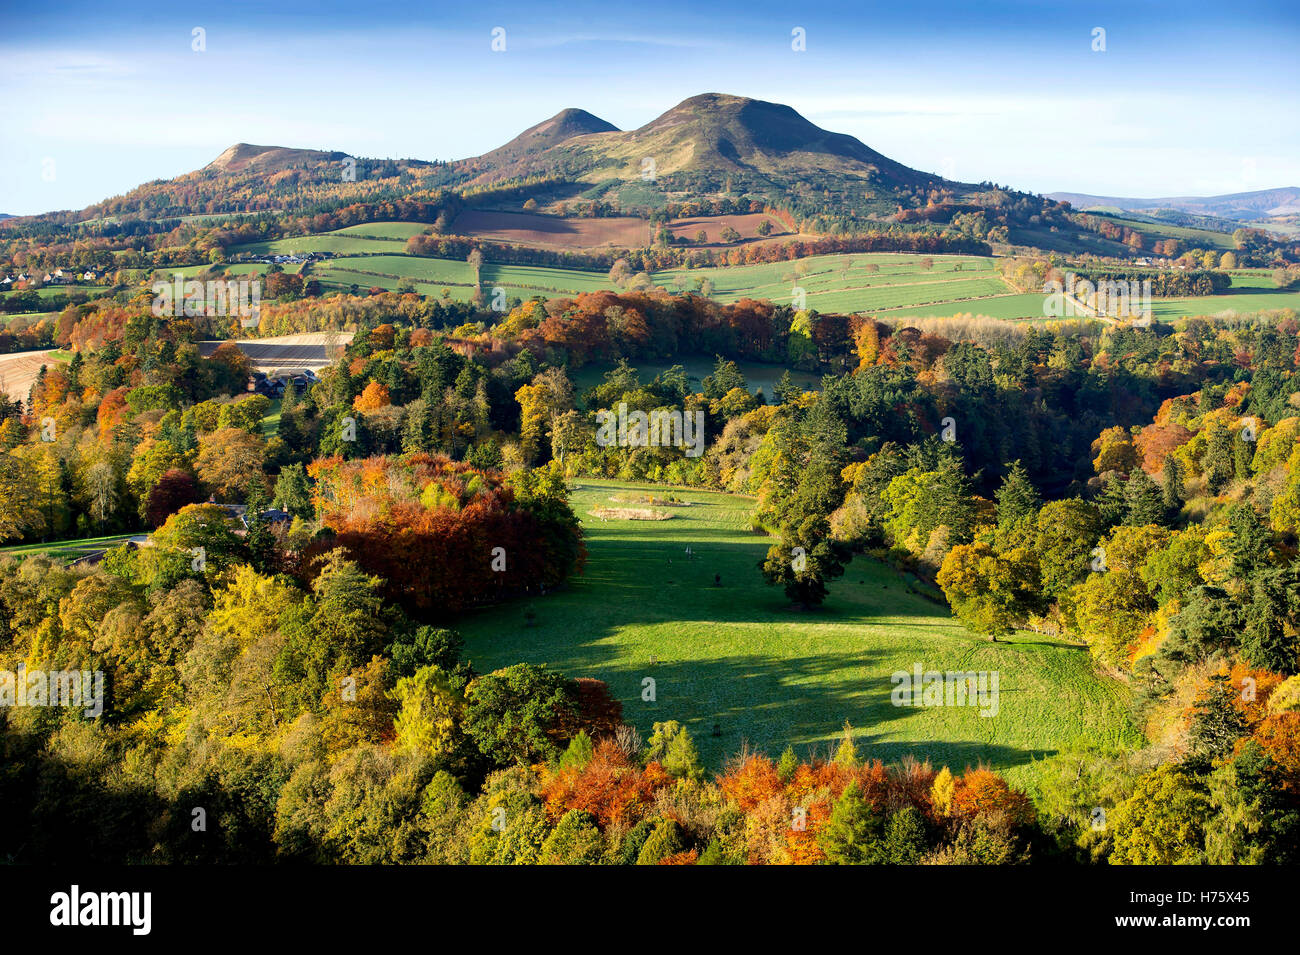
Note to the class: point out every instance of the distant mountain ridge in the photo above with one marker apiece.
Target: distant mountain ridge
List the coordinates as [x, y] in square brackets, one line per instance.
[1243, 206]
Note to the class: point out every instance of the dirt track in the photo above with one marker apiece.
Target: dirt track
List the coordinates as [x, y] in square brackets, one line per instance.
[19, 371]
[287, 352]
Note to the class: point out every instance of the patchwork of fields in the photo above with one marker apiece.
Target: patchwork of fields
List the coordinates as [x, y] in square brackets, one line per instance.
[889, 284]
[831, 283]
[738, 666]
[623, 232]
[431, 276]
[885, 283]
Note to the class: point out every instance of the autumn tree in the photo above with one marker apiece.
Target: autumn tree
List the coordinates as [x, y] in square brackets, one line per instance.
[516, 714]
[428, 720]
[541, 403]
[1067, 533]
[228, 459]
[174, 490]
[18, 501]
[373, 397]
[1162, 823]
[991, 592]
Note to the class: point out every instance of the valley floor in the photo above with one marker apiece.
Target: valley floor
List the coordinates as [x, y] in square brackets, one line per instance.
[738, 666]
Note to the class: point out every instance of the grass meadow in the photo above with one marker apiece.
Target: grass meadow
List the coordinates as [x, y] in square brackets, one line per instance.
[739, 667]
[69, 550]
[758, 375]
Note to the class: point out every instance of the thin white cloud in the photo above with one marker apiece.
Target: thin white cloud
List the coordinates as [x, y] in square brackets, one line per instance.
[34, 64]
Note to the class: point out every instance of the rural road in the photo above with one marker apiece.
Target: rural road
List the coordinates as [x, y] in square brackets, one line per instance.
[286, 353]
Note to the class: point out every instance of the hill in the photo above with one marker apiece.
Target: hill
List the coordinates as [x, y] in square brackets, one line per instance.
[243, 157]
[711, 157]
[561, 127]
[246, 178]
[1242, 206]
[713, 143]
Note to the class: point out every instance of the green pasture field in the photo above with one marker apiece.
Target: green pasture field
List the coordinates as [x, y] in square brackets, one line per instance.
[890, 284]
[377, 237]
[1238, 300]
[1252, 290]
[232, 269]
[336, 242]
[757, 374]
[1008, 307]
[68, 550]
[862, 279]
[49, 291]
[832, 283]
[271, 420]
[739, 667]
[400, 231]
[432, 275]
[1196, 238]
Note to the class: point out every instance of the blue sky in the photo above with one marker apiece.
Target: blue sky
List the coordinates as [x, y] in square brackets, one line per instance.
[1189, 98]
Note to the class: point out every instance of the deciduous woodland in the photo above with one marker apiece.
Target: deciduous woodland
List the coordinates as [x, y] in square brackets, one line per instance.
[281, 649]
[425, 605]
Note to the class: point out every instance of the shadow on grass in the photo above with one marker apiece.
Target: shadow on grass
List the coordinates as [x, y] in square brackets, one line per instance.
[725, 660]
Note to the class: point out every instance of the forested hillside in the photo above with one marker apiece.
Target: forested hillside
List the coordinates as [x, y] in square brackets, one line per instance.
[282, 649]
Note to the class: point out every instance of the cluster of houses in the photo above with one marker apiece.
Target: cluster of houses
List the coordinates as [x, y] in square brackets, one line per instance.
[239, 514]
[57, 277]
[291, 259]
[274, 386]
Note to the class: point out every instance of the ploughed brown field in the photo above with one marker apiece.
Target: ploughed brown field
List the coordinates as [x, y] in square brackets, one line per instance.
[746, 225]
[18, 372]
[286, 353]
[619, 232]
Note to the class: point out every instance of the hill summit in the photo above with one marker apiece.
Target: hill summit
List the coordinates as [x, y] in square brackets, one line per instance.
[245, 157]
[709, 144]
